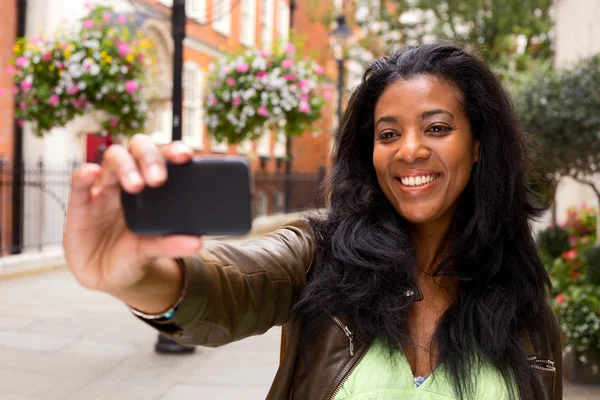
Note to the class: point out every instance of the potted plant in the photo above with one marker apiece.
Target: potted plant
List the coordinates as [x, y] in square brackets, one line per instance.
[98, 69]
[255, 89]
[575, 276]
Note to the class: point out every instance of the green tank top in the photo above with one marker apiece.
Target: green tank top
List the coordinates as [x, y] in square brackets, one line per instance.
[379, 377]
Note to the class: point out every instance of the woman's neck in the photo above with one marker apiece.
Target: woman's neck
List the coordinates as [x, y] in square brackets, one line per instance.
[431, 242]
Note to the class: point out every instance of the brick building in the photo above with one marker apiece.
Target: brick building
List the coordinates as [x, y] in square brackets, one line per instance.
[214, 27]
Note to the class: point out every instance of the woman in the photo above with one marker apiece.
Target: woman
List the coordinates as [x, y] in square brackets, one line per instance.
[422, 281]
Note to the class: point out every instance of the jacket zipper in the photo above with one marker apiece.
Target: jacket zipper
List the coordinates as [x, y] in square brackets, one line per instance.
[346, 331]
[514, 378]
[542, 364]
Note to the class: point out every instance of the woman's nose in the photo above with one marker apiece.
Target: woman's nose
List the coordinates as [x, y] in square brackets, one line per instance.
[412, 147]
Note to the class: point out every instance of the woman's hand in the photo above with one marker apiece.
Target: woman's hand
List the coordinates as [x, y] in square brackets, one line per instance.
[102, 253]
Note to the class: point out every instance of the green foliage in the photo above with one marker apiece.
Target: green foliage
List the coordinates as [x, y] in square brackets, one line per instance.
[99, 68]
[591, 257]
[492, 27]
[581, 224]
[554, 241]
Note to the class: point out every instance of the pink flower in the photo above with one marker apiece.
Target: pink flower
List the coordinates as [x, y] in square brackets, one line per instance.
[36, 40]
[88, 23]
[26, 85]
[87, 4]
[263, 53]
[303, 83]
[560, 299]
[106, 17]
[230, 82]
[289, 77]
[22, 105]
[54, 100]
[131, 87]
[20, 122]
[72, 89]
[327, 94]
[304, 107]
[122, 19]
[212, 100]
[304, 97]
[15, 89]
[319, 70]
[79, 103]
[114, 123]
[243, 67]
[236, 101]
[124, 49]
[225, 69]
[262, 111]
[47, 56]
[261, 74]
[10, 70]
[287, 63]
[569, 255]
[22, 62]
[290, 48]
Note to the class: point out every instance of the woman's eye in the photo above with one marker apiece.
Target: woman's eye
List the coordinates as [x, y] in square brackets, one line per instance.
[440, 129]
[386, 135]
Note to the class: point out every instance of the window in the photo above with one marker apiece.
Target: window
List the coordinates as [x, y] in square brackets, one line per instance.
[193, 126]
[248, 28]
[267, 21]
[222, 17]
[196, 9]
[263, 146]
[218, 147]
[168, 3]
[261, 204]
[245, 147]
[163, 125]
[279, 148]
[283, 20]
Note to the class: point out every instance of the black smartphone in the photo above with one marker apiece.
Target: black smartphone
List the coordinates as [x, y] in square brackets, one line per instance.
[207, 196]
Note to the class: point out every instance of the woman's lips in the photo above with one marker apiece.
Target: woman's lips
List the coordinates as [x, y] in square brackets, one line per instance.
[418, 183]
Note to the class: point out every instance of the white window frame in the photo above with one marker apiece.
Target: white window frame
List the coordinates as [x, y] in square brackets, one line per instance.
[196, 10]
[221, 18]
[168, 3]
[248, 22]
[163, 126]
[283, 20]
[280, 142]
[263, 145]
[267, 24]
[278, 202]
[193, 110]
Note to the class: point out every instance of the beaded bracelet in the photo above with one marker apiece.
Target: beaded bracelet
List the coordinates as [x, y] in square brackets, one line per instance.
[171, 311]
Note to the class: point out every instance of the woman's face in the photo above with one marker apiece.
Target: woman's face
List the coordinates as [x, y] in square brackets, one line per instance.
[423, 150]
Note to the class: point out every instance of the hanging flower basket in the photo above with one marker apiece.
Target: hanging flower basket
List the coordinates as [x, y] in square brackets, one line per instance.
[98, 69]
[254, 90]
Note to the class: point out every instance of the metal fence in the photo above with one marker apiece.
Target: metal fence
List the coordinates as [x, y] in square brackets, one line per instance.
[45, 192]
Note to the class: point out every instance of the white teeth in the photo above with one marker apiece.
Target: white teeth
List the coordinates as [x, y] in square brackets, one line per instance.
[418, 180]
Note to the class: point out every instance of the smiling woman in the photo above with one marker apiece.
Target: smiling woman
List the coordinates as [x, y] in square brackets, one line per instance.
[422, 280]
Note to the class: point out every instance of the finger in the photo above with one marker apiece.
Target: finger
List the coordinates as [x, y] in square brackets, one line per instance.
[81, 183]
[170, 246]
[177, 152]
[119, 167]
[150, 160]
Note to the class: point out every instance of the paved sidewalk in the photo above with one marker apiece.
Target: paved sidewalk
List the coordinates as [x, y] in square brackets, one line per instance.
[59, 341]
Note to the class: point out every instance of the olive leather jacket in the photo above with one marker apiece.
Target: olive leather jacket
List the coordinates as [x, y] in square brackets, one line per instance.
[232, 292]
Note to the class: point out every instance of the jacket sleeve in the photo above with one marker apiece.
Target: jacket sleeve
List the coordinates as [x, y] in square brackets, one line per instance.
[235, 291]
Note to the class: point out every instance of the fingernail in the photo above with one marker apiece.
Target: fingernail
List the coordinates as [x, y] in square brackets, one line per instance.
[135, 178]
[155, 173]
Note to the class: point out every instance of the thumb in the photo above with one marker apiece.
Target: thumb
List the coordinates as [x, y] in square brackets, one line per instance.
[172, 246]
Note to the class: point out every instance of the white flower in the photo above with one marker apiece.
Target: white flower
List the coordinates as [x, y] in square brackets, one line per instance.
[36, 59]
[125, 109]
[98, 96]
[124, 69]
[120, 88]
[74, 70]
[28, 54]
[82, 85]
[226, 95]
[94, 69]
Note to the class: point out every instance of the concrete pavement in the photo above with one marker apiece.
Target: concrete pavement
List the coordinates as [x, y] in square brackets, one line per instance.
[59, 341]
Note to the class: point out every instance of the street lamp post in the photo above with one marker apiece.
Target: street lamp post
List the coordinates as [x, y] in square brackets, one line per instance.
[340, 39]
[165, 344]
[288, 141]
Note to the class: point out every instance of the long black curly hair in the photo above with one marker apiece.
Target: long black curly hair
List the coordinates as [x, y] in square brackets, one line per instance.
[365, 258]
